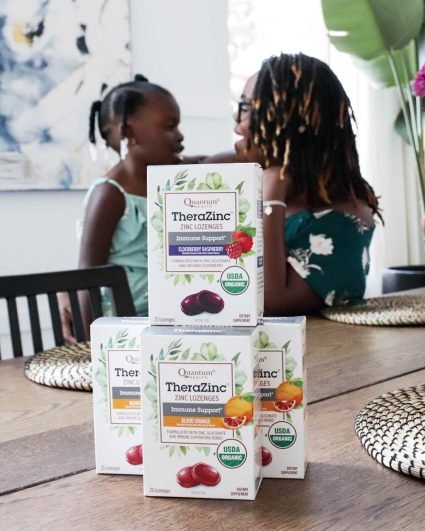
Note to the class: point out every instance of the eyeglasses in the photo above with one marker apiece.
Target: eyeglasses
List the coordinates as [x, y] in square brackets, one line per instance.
[243, 106]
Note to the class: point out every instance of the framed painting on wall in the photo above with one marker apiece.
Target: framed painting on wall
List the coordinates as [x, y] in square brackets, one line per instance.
[55, 57]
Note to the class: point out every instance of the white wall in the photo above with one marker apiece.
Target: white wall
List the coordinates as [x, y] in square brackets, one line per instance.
[37, 228]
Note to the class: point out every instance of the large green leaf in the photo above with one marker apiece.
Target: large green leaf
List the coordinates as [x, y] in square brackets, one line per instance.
[379, 72]
[367, 28]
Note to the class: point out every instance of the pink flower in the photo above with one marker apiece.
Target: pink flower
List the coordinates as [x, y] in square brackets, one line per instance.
[419, 83]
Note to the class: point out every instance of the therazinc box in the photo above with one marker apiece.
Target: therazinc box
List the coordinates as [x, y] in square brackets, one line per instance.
[205, 244]
[201, 431]
[282, 379]
[116, 355]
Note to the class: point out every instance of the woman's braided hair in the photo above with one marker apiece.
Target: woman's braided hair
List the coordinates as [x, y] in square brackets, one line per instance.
[118, 104]
[301, 119]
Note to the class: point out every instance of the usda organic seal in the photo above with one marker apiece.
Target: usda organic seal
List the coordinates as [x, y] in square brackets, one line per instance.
[234, 280]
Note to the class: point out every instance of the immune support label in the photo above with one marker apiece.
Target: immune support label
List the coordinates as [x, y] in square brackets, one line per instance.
[270, 374]
[124, 386]
[197, 227]
[192, 397]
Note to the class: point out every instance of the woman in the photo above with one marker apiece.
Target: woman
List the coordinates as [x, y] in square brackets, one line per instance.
[295, 119]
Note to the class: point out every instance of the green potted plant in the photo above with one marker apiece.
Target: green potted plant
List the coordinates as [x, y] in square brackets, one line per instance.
[385, 38]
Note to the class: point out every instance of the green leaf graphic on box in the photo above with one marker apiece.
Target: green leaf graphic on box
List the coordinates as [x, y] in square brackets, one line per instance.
[244, 206]
[298, 382]
[250, 231]
[210, 277]
[183, 450]
[249, 397]
[208, 350]
[213, 179]
[240, 377]
[239, 187]
[188, 278]
[288, 374]
[171, 451]
[185, 354]
[242, 217]
[157, 221]
[285, 347]
[101, 376]
[263, 340]
[290, 363]
[150, 391]
[191, 184]
[203, 186]
[235, 359]
[198, 357]
[238, 389]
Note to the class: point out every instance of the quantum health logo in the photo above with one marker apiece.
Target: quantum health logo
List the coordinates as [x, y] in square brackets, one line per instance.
[282, 434]
[234, 280]
[231, 453]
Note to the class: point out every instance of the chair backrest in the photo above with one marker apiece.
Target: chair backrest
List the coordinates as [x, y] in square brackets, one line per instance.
[50, 284]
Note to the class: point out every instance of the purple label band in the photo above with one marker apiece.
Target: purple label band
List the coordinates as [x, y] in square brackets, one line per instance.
[196, 250]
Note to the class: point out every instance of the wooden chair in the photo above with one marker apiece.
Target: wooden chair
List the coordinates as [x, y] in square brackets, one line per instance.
[92, 279]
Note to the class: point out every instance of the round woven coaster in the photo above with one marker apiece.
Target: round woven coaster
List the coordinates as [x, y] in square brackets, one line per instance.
[395, 310]
[66, 366]
[392, 429]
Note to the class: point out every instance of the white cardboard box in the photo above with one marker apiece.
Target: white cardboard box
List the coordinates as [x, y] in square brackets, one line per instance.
[116, 359]
[205, 244]
[201, 431]
[282, 380]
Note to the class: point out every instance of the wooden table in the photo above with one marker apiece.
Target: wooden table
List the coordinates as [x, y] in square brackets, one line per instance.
[47, 461]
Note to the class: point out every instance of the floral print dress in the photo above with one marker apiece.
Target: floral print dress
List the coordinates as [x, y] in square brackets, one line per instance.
[330, 250]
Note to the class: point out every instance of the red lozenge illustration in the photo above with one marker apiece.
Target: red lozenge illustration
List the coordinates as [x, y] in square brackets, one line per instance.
[185, 478]
[206, 474]
[134, 455]
[266, 456]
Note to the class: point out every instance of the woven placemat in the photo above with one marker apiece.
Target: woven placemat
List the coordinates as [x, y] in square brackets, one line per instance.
[395, 310]
[67, 366]
[392, 429]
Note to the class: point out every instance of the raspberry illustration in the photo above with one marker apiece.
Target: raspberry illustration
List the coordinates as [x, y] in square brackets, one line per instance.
[234, 249]
[244, 238]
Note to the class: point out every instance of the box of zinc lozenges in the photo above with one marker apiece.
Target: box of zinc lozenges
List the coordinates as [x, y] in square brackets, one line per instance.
[205, 244]
[282, 379]
[116, 358]
[201, 431]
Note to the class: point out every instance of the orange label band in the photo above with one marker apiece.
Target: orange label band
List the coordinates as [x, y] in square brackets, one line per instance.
[191, 422]
[125, 403]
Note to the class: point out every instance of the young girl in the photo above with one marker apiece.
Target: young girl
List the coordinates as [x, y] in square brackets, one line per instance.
[140, 121]
[294, 118]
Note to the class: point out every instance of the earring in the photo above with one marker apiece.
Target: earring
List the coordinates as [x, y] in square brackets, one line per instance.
[93, 152]
[123, 148]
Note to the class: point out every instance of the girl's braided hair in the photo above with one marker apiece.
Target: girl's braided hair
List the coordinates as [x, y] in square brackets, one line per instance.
[120, 103]
[301, 119]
